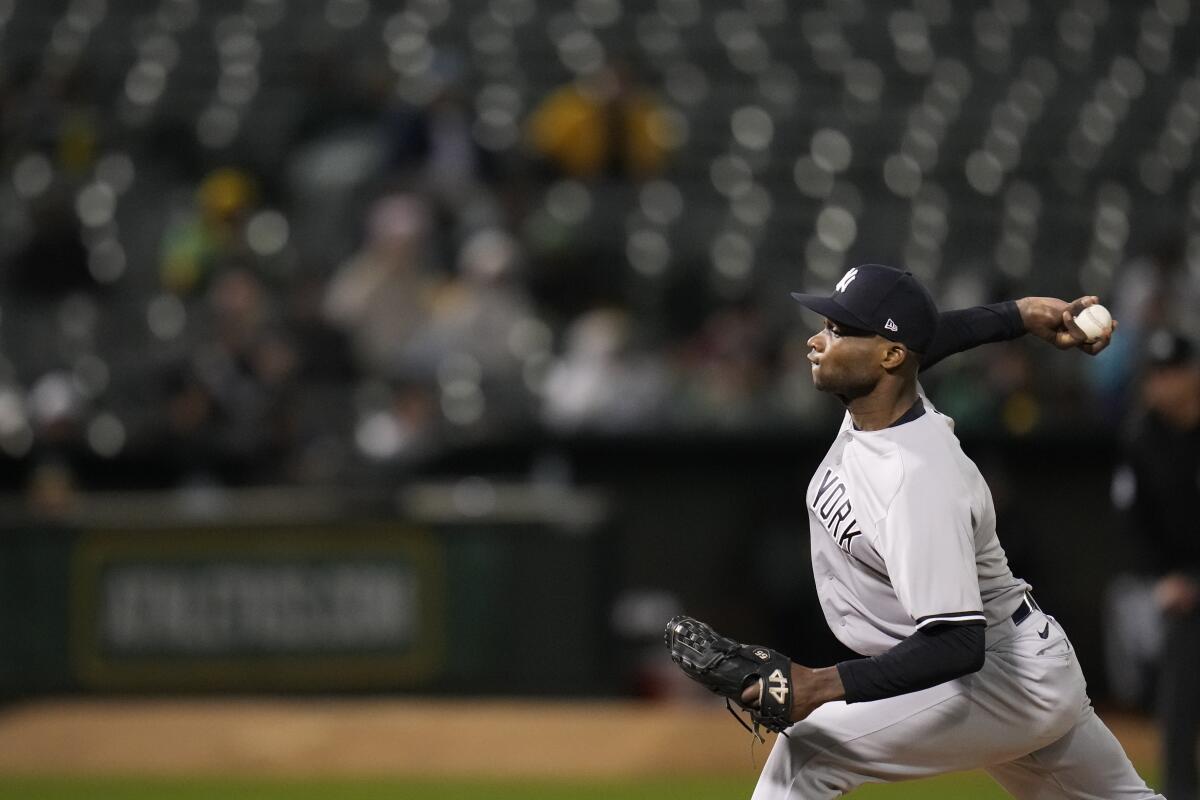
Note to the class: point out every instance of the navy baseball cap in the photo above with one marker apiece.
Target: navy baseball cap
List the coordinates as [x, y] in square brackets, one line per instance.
[883, 300]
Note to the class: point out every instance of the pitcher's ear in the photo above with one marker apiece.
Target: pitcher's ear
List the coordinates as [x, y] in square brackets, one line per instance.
[897, 356]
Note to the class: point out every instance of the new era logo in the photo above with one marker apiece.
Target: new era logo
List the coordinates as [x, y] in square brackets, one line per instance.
[890, 325]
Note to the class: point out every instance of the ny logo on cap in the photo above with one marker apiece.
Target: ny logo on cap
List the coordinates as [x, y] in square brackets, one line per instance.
[847, 279]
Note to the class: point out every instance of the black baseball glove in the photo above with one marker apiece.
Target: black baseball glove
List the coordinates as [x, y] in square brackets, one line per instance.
[728, 667]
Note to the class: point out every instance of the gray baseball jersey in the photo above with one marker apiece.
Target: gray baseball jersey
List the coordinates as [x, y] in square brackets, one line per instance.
[904, 535]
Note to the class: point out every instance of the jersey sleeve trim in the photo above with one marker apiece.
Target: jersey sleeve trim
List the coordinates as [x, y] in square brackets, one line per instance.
[952, 618]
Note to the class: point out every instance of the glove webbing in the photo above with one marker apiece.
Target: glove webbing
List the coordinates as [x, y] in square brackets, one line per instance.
[756, 730]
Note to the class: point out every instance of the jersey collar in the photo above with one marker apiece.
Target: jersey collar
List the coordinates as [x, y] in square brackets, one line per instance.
[915, 412]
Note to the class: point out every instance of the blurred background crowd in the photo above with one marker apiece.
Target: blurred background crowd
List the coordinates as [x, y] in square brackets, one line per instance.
[246, 245]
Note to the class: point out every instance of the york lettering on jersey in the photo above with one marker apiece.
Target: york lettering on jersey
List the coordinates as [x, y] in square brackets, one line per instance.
[833, 507]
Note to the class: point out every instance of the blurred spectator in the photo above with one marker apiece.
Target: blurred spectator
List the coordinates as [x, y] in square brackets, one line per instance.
[600, 382]
[602, 125]
[198, 241]
[56, 409]
[1158, 489]
[382, 295]
[999, 391]
[1153, 291]
[434, 143]
[477, 312]
[323, 351]
[52, 262]
[397, 423]
[724, 370]
[230, 411]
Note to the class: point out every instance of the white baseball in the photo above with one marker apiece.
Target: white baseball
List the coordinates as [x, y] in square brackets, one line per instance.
[1094, 321]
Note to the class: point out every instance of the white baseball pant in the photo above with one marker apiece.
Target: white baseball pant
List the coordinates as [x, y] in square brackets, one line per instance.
[1025, 718]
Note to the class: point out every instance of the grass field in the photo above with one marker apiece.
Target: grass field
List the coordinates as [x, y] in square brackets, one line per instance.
[972, 786]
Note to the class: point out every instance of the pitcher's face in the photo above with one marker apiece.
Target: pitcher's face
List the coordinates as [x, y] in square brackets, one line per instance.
[846, 361]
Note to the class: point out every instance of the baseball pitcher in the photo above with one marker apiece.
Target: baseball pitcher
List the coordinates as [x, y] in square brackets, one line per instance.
[961, 669]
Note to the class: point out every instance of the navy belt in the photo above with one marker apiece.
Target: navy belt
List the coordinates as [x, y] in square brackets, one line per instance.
[1027, 607]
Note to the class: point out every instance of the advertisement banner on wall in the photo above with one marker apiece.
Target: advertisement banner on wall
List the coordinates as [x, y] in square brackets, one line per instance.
[312, 608]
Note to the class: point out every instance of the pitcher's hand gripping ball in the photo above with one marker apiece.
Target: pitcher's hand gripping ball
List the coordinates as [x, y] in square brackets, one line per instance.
[728, 667]
[1093, 322]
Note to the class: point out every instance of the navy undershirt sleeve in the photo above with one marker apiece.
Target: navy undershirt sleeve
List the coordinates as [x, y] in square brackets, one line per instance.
[969, 327]
[930, 656]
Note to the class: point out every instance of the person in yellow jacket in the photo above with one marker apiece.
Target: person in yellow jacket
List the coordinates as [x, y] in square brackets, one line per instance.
[602, 125]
